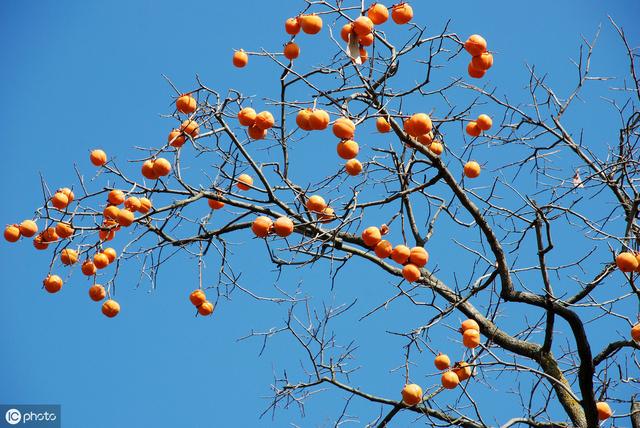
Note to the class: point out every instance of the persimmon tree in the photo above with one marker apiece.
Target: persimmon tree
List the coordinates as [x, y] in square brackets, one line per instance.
[501, 179]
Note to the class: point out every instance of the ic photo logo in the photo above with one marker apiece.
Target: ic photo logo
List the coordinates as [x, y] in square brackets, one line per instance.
[13, 416]
[30, 415]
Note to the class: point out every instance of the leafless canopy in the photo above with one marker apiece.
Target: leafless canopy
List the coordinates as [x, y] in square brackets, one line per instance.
[531, 252]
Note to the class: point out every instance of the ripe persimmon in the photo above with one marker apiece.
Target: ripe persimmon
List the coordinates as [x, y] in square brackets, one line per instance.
[319, 119]
[472, 169]
[205, 309]
[353, 167]
[88, 268]
[145, 206]
[378, 13]
[473, 129]
[311, 24]
[292, 26]
[98, 157]
[240, 58]
[111, 212]
[214, 204]
[449, 380]
[604, 411]
[400, 254]
[484, 61]
[327, 215]
[190, 127]
[161, 167]
[362, 26]
[471, 338]
[116, 197]
[463, 370]
[347, 31]
[108, 230]
[442, 362]
[344, 128]
[411, 272]
[147, 170]
[283, 227]
[64, 230]
[132, 203]
[125, 218]
[635, 332]
[264, 120]
[347, 149]
[100, 260]
[110, 253]
[68, 192]
[363, 55]
[28, 228]
[59, 200]
[382, 125]
[408, 127]
[110, 308]
[484, 122]
[256, 133]
[244, 182]
[436, 147]
[197, 297]
[186, 104]
[291, 51]
[383, 249]
[303, 119]
[402, 13]
[39, 243]
[316, 204]
[247, 116]
[475, 45]
[469, 324]
[366, 40]
[418, 256]
[176, 138]
[425, 139]
[412, 394]
[626, 261]
[49, 234]
[371, 236]
[97, 292]
[421, 124]
[261, 226]
[52, 283]
[12, 233]
[474, 72]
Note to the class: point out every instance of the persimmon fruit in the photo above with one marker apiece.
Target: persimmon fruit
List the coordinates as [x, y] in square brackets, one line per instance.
[412, 394]
[472, 169]
[110, 308]
[240, 58]
[244, 182]
[98, 157]
[97, 292]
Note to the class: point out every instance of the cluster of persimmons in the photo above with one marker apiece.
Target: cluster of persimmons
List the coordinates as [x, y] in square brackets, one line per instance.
[462, 370]
[114, 218]
[120, 210]
[451, 376]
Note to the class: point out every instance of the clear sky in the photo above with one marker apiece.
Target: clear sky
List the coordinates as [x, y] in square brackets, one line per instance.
[80, 75]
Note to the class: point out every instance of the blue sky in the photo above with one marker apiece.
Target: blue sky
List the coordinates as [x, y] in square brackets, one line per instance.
[84, 75]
